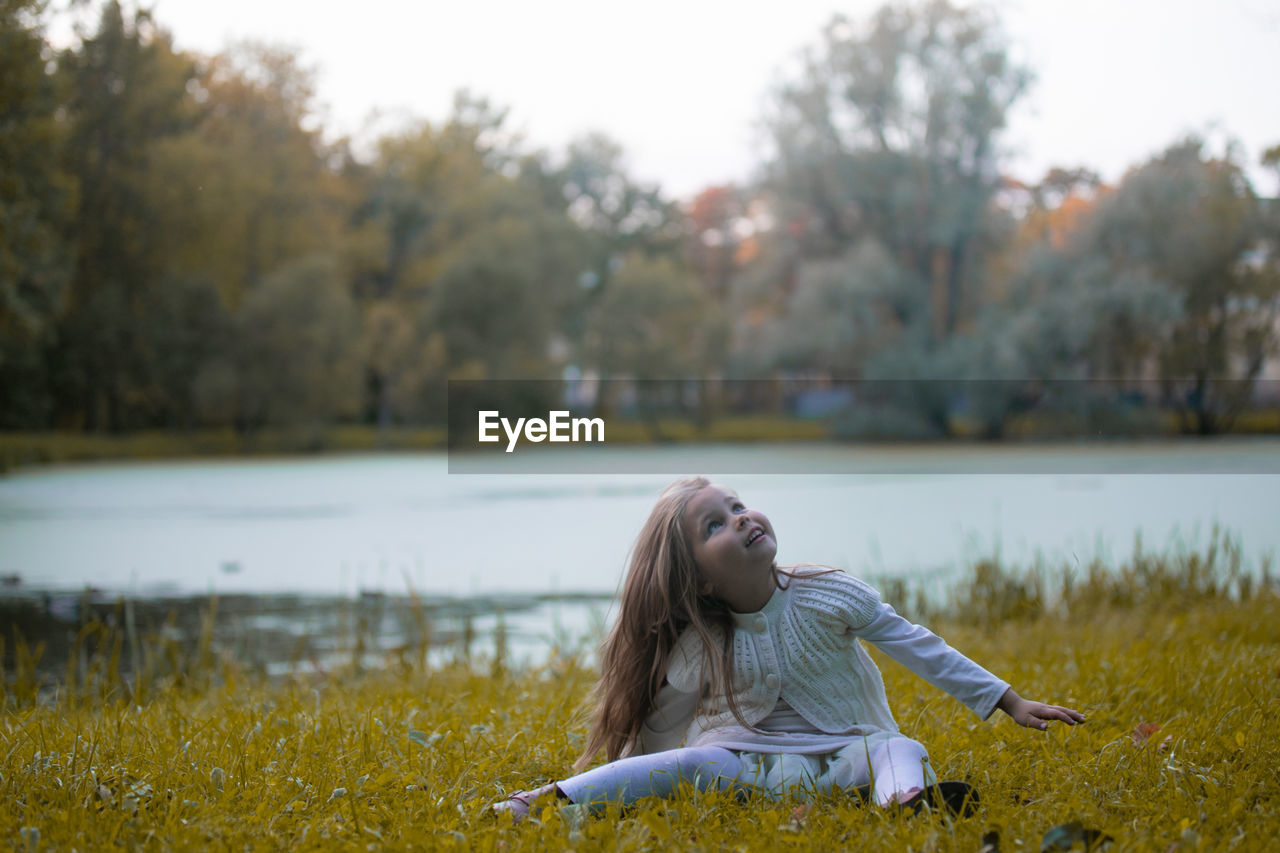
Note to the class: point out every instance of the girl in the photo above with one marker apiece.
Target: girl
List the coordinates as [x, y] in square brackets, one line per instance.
[725, 671]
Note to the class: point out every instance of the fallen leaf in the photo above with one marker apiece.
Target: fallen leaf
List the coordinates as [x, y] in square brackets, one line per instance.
[1144, 731]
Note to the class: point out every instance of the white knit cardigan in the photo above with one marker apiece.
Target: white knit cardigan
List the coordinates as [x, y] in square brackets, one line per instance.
[802, 648]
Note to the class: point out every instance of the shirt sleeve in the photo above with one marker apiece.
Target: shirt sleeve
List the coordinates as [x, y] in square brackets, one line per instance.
[667, 724]
[928, 656]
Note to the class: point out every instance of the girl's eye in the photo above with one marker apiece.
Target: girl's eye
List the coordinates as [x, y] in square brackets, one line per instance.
[712, 526]
[737, 508]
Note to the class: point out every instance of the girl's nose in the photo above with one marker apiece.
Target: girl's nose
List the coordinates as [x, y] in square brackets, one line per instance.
[742, 520]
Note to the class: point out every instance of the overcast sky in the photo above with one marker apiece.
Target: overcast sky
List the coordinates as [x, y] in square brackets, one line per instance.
[681, 85]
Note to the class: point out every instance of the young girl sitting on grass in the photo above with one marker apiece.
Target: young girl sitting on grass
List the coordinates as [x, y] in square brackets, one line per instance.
[725, 671]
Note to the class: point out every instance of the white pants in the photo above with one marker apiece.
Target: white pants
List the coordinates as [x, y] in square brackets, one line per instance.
[890, 763]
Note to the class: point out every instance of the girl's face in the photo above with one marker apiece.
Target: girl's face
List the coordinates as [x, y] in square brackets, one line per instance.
[733, 546]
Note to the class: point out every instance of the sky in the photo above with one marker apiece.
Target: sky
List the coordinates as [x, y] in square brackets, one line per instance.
[682, 85]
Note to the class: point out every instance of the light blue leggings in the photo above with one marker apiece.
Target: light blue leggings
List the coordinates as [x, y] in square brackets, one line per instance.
[891, 766]
[658, 774]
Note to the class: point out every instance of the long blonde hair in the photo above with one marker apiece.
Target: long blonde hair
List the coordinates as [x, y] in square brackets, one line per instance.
[660, 599]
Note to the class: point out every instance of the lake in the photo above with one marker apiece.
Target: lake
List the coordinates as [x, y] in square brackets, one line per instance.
[388, 523]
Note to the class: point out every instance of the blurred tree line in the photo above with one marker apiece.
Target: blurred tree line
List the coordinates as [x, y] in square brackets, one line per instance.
[182, 246]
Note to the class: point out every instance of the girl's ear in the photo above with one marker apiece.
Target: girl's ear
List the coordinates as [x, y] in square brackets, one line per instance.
[706, 588]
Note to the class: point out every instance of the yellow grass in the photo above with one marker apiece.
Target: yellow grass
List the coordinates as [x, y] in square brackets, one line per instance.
[410, 757]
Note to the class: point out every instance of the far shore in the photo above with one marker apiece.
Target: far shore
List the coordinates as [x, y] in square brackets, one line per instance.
[19, 450]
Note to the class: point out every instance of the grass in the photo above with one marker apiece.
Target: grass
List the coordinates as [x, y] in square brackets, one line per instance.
[1175, 660]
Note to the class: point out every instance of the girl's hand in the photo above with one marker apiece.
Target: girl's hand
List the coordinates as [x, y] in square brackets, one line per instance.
[1036, 715]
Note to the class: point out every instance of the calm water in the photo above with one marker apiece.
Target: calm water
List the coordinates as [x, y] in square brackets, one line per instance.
[383, 523]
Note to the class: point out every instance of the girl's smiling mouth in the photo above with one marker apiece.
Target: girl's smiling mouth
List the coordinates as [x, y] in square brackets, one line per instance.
[755, 534]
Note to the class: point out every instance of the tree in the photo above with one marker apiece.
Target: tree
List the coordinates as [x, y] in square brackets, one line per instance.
[890, 136]
[618, 217]
[499, 295]
[403, 359]
[127, 90]
[655, 323]
[248, 189]
[718, 230]
[181, 325]
[627, 216]
[289, 359]
[244, 192]
[839, 310]
[463, 264]
[1070, 340]
[1191, 222]
[412, 199]
[658, 327]
[35, 203]
[1061, 329]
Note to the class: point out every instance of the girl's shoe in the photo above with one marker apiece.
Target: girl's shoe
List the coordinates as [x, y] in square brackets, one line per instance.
[518, 804]
[957, 798]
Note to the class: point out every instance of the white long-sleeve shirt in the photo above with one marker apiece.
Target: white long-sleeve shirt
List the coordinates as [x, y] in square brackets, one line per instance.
[799, 670]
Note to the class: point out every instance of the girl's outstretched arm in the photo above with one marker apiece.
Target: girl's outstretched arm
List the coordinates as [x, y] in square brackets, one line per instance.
[1035, 715]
